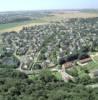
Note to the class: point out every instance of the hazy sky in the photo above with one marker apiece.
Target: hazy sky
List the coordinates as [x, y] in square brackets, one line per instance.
[9, 5]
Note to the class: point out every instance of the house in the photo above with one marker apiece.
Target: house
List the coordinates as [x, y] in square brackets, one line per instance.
[25, 66]
[85, 60]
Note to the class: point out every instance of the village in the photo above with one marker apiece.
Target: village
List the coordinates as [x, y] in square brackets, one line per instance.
[49, 50]
[59, 46]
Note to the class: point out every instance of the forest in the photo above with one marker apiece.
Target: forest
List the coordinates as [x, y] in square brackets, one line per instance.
[15, 85]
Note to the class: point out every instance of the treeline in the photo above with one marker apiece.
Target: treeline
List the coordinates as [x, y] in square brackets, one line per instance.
[15, 85]
[20, 19]
[13, 20]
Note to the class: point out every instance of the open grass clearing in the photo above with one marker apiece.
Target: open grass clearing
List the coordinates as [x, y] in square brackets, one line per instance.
[57, 75]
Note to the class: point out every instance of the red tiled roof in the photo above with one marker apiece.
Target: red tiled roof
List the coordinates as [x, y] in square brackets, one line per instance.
[85, 60]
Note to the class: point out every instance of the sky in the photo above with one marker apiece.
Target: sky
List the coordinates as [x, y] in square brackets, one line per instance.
[13, 5]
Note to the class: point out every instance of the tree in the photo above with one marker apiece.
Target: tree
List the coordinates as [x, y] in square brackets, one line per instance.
[46, 76]
[84, 79]
[57, 95]
[37, 66]
[13, 91]
[61, 61]
[83, 55]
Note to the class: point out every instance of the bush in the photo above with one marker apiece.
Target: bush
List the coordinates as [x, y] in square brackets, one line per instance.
[61, 61]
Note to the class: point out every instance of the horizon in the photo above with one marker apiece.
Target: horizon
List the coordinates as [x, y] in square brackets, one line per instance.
[31, 5]
[49, 10]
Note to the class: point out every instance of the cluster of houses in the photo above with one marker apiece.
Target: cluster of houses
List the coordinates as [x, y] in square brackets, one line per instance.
[47, 44]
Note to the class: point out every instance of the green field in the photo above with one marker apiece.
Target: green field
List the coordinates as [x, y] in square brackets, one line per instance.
[15, 24]
[10, 25]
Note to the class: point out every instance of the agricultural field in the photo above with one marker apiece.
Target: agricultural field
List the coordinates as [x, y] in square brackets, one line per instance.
[52, 17]
[17, 26]
[68, 15]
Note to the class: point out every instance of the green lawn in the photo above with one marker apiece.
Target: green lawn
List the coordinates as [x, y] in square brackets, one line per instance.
[89, 66]
[57, 75]
[92, 65]
[96, 59]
